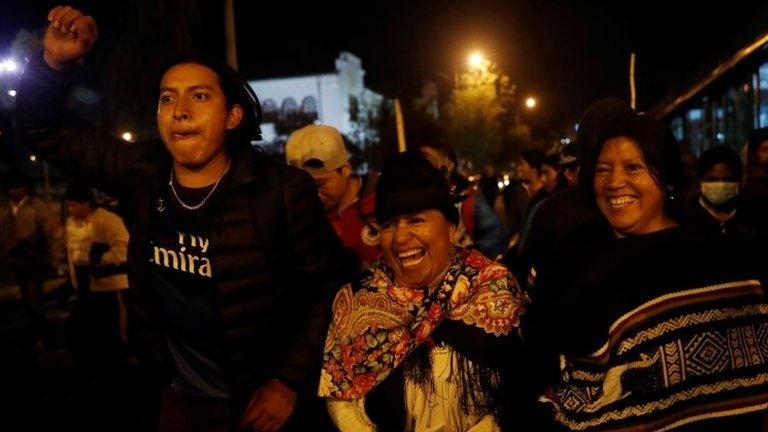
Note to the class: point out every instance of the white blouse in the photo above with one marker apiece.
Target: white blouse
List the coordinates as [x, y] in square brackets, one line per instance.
[426, 411]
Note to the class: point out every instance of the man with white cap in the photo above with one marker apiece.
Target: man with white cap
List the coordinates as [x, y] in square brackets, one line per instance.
[319, 150]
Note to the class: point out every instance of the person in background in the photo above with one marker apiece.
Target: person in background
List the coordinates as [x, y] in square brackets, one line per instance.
[26, 242]
[755, 192]
[569, 161]
[518, 198]
[346, 197]
[97, 254]
[629, 310]
[479, 226]
[564, 212]
[718, 209]
[489, 183]
[757, 154]
[552, 174]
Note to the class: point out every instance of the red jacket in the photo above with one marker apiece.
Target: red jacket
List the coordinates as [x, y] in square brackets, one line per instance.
[355, 234]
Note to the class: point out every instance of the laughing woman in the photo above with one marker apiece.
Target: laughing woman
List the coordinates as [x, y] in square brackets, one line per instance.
[424, 341]
[637, 325]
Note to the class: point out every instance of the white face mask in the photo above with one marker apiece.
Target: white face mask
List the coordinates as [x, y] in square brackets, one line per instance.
[719, 193]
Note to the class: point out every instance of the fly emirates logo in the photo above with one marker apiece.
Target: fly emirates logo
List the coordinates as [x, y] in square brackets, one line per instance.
[188, 256]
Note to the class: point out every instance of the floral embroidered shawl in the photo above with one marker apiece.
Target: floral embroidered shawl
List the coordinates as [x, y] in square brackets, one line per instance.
[375, 328]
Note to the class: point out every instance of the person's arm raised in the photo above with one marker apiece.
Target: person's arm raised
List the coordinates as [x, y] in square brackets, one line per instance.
[46, 126]
[70, 36]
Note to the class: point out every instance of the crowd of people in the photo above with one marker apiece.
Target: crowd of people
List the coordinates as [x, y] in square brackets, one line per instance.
[598, 291]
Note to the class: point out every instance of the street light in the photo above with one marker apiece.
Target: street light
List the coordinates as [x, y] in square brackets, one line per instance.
[127, 136]
[8, 65]
[530, 103]
[476, 60]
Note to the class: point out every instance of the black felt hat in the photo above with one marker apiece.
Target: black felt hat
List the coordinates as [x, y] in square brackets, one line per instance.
[409, 183]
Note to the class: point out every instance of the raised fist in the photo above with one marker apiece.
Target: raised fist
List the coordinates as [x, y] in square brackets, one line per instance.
[69, 36]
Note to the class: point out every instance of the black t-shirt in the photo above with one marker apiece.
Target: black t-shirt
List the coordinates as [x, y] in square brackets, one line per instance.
[183, 275]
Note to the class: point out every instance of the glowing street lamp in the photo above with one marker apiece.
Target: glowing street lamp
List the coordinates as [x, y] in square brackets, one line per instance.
[127, 136]
[8, 65]
[476, 60]
[530, 103]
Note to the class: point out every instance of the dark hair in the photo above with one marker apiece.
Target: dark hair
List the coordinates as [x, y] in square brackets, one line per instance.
[716, 155]
[236, 92]
[660, 151]
[569, 157]
[592, 126]
[534, 157]
[81, 193]
[552, 160]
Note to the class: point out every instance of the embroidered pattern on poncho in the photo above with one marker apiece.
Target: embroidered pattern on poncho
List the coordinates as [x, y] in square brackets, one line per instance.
[680, 358]
[375, 328]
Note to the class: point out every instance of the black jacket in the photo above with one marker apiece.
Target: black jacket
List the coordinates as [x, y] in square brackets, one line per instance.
[547, 225]
[277, 260]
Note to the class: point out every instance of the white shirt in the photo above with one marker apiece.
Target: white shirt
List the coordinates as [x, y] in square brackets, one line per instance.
[426, 411]
[15, 207]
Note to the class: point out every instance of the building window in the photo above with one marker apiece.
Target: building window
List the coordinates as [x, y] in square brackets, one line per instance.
[678, 128]
[309, 107]
[709, 125]
[695, 127]
[269, 111]
[739, 116]
[719, 121]
[289, 108]
[762, 118]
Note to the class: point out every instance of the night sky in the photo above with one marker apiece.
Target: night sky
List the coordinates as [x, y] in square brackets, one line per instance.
[567, 53]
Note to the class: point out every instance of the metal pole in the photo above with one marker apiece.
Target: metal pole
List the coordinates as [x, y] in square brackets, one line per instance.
[632, 91]
[229, 26]
[400, 127]
[47, 182]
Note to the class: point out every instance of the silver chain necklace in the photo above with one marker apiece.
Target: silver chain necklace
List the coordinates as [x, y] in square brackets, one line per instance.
[201, 203]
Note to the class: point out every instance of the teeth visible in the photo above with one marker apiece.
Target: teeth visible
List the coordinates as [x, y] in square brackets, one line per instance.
[411, 257]
[408, 253]
[619, 202]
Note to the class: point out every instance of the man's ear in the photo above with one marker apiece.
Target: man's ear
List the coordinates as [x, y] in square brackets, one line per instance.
[234, 116]
[346, 170]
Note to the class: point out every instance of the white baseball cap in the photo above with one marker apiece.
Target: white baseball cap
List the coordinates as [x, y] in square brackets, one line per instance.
[320, 145]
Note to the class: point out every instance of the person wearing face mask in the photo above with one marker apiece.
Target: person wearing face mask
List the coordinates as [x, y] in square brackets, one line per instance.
[718, 209]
